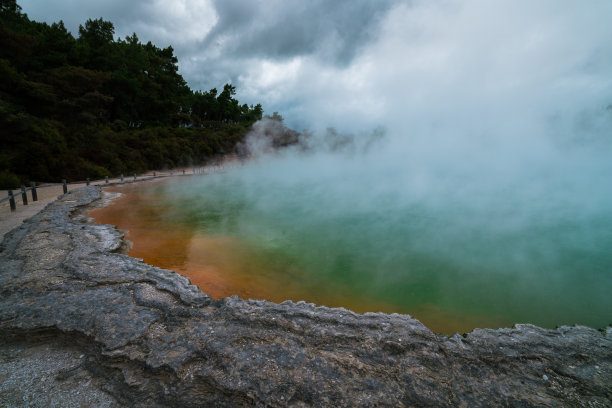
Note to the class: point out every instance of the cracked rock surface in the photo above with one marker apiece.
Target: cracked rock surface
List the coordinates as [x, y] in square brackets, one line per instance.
[125, 333]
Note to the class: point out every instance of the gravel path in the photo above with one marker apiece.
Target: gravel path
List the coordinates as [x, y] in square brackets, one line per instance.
[48, 375]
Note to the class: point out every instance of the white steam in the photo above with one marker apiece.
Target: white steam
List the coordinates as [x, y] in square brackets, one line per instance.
[476, 98]
[497, 156]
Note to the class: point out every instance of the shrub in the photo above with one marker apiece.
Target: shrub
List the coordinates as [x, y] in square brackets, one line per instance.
[9, 180]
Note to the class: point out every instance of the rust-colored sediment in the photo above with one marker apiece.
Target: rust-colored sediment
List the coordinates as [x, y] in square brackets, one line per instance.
[223, 266]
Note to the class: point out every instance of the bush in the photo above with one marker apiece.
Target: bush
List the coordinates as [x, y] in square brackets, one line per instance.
[8, 180]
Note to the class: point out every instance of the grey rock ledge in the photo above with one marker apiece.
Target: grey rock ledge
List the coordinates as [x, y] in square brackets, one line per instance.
[154, 339]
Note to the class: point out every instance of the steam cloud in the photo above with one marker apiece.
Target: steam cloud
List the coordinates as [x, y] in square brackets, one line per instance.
[479, 101]
[496, 158]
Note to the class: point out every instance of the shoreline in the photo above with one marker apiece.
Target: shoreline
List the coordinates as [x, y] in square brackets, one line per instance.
[159, 247]
[221, 268]
[149, 337]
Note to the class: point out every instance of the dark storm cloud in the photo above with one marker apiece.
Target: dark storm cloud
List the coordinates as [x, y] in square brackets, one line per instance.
[333, 30]
[249, 33]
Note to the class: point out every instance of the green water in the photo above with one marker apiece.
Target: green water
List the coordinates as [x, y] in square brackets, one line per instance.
[515, 260]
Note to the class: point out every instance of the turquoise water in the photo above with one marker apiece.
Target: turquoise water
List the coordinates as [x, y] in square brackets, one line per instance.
[496, 256]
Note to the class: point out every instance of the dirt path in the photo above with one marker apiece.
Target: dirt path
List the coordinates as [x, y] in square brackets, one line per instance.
[46, 194]
[49, 193]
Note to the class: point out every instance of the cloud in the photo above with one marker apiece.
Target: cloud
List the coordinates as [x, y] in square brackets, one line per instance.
[440, 65]
[180, 23]
[334, 31]
[266, 47]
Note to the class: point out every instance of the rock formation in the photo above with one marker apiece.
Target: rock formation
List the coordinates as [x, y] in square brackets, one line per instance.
[150, 338]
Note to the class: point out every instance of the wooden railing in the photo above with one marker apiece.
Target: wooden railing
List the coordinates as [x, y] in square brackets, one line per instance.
[12, 196]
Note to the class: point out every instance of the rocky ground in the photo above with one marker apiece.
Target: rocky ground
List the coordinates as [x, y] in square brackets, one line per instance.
[83, 325]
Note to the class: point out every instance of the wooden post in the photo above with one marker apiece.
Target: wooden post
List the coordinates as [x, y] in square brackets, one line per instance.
[12, 200]
[64, 186]
[122, 177]
[87, 181]
[106, 179]
[24, 196]
[34, 194]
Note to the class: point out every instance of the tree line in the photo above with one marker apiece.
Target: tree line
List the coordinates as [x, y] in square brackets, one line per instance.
[93, 106]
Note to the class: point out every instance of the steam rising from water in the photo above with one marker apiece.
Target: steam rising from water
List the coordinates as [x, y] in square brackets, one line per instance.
[520, 238]
[490, 192]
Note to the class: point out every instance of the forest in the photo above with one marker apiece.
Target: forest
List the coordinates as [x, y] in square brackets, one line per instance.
[96, 106]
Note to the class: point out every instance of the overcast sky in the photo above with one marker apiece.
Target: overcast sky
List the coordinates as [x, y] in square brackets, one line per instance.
[358, 64]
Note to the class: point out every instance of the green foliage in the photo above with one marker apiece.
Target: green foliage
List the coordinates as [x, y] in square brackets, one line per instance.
[97, 33]
[8, 180]
[96, 105]
[9, 6]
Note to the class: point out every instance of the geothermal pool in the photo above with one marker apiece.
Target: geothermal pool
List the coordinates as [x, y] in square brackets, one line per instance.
[367, 248]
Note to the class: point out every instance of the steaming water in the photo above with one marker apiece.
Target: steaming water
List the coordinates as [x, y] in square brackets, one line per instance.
[479, 250]
[490, 204]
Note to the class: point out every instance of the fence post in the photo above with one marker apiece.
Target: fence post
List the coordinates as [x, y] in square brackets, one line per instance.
[106, 179]
[134, 176]
[24, 196]
[64, 186]
[122, 177]
[12, 200]
[34, 194]
[87, 181]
